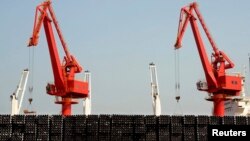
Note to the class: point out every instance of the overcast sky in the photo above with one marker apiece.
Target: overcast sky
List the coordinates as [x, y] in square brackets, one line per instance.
[116, 40]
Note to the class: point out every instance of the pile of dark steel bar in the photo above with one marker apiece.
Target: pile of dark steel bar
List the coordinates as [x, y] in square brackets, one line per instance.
[111, 127]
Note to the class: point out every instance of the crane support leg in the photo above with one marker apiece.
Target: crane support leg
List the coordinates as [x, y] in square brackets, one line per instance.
[66, 106]
[218, 101]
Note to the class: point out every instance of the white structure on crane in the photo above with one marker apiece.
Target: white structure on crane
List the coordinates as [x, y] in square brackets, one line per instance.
[17, 96]
[155, 90]
[87, 100]
[238, 105]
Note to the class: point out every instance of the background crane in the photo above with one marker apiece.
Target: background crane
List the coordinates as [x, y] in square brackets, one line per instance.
[17, 96]
[219, 84]
[65, 86]
[155, 90]
[87, 100]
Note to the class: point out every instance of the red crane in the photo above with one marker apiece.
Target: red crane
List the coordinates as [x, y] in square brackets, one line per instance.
[65, 85]
[218, 83]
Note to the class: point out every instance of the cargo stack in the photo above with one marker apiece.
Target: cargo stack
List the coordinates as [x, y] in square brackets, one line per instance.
[56, 128]
[104, 128]
[113, 127]
[5, 127]
[18, 127]
[151, 127]
[92, 127]
[116, 127]
[122, 128]
[43, 128]
[240, 120]
[164, 128]
[228, 120]
[68, 127]
[74, 127]
[215, 121]
[189, 130]
[127, 128]
[201, 127]
[30, 128]
[176, 128]
[80, 131]
[139, 128]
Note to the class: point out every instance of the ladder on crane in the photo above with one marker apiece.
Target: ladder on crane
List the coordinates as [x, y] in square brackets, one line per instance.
[155, 90]
[17, 96]
[87, 100]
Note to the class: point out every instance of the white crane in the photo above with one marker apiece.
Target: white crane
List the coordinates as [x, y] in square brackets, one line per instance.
[155, 90]
[87, 100]
[17, 96]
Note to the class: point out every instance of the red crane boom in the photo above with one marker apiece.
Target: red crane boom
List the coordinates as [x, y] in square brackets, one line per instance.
[219, 84]
[65, 84]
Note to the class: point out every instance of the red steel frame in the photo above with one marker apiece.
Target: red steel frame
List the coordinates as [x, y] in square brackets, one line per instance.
[220, 85]
[65, 85]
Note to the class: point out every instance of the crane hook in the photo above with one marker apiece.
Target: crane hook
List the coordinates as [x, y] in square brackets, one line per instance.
[178, 98]
[30, 100]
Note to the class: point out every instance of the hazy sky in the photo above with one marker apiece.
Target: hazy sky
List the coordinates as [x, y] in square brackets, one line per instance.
[116, 40]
